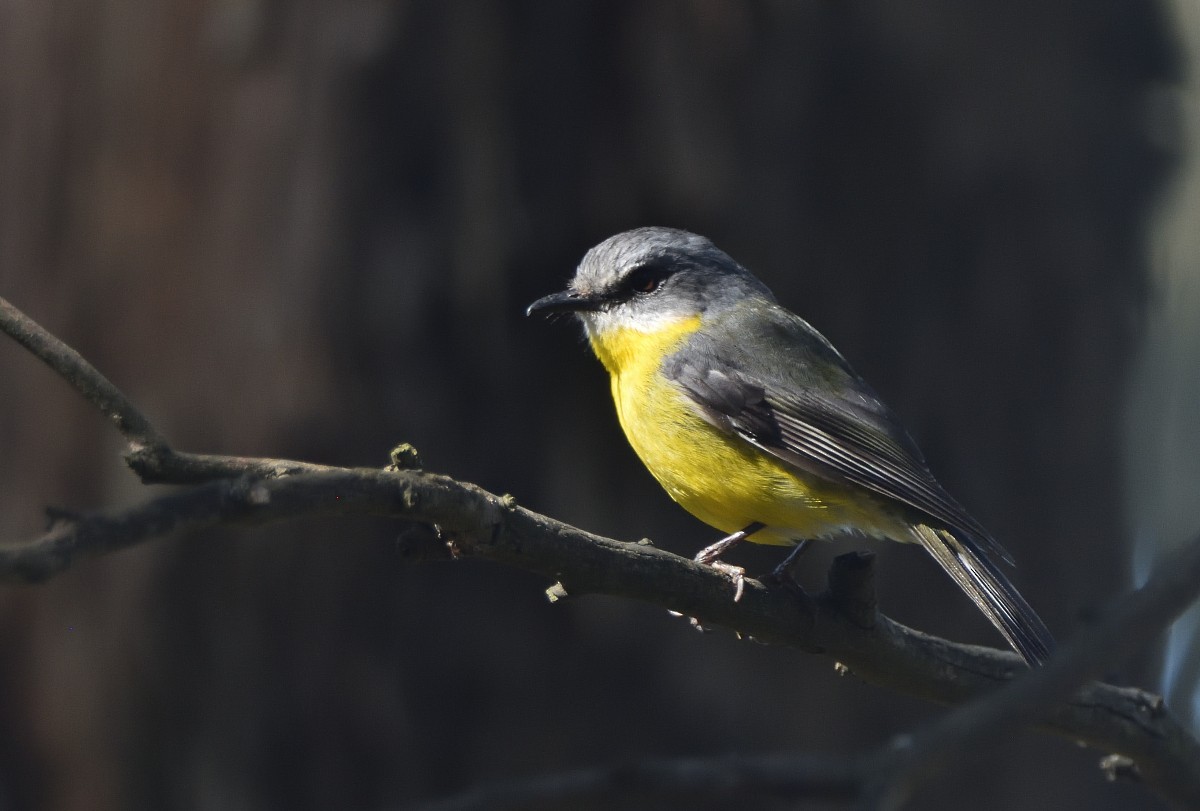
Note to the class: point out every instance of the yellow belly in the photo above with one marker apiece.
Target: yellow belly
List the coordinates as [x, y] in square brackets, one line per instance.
[721, 479]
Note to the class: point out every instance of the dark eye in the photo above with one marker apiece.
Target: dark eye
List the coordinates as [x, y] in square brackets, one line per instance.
[646, 279]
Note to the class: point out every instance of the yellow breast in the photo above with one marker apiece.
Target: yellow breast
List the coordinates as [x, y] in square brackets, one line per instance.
[721, 479]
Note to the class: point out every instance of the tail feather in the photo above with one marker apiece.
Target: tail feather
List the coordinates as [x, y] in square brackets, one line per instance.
[991, 591]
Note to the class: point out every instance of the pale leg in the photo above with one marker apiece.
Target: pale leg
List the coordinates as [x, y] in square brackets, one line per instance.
[737, 574]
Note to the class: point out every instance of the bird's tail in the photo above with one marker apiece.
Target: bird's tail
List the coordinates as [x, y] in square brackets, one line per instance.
[987, 586]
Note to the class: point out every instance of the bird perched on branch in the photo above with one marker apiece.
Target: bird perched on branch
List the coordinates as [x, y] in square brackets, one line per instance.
[755, 424]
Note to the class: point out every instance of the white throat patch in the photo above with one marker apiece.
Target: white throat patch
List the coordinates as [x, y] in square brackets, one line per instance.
[624, 317]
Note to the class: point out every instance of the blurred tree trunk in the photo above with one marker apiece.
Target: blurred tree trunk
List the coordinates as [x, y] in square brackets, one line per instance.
[1163, 430]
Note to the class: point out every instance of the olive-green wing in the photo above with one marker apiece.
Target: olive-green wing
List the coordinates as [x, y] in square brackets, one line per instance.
[768, 377]
[764, 375]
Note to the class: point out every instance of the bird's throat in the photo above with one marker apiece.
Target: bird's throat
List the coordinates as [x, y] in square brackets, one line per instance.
[624, 350]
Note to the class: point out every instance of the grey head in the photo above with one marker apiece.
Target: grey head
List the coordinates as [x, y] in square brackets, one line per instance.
[649, 277]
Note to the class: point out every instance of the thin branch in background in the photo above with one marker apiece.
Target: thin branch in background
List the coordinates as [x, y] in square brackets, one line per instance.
[150, 455]
[972, 729]
[85, 378]
[729, 778]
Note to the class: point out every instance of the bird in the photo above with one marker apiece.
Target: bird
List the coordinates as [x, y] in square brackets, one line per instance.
[754, 423]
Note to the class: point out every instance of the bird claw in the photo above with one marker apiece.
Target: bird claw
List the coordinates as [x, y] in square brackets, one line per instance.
[695, 623]
[736, 574]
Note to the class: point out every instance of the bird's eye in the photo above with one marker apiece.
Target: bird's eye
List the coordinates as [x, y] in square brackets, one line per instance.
[645, 280]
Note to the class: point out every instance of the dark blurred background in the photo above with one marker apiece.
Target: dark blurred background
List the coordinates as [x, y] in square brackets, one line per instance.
[308, 229]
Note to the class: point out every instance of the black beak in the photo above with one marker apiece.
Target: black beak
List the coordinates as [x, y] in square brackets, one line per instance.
[568, 301]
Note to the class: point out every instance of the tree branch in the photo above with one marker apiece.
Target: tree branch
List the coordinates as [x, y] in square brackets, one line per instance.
[1172, 587]
[684, 780]
[841, 623]
[887, 778]
[86, 379]
[476, 523]
[149, 454]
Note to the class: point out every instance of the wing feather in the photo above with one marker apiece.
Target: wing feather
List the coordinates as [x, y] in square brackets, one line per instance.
[837, 429]
[801, 402]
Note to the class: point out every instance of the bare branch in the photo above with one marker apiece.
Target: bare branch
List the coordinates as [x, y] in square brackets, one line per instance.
[1173, 586]
[841, 623]
[886, 778]
[71, 366]
[477, 523]
[150, 456]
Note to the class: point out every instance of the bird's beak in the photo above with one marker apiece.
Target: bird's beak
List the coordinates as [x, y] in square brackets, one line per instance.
[568, 301]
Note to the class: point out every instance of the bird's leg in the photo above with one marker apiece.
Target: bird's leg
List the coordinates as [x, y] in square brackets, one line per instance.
[783, 575]
[737, 574]
[708, 556]
[784, 572]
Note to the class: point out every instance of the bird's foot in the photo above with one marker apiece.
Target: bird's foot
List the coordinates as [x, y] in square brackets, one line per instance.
[735, 573]
[695, 623]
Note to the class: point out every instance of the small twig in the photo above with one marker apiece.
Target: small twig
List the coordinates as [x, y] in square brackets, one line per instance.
[87, 380]
[162, 465]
